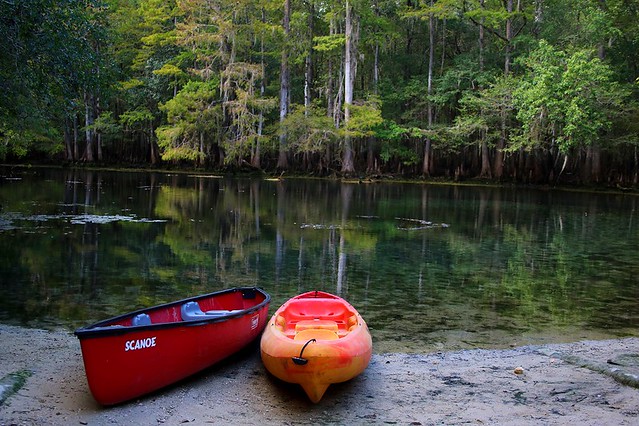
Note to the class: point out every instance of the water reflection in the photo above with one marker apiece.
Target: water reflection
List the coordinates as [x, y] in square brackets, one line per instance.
[430, 267]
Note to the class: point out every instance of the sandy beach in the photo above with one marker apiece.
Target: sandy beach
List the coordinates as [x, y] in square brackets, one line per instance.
[585, 383]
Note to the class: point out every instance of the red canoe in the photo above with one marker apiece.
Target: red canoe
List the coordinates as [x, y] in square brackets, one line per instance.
[133, 354]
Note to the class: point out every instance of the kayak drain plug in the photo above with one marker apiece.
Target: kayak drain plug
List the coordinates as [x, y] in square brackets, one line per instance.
[298, 360]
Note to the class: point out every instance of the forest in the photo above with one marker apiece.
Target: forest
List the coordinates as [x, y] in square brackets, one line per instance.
[528, 91]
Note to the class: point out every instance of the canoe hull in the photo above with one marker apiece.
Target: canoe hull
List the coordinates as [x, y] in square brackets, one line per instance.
[123, 363]
[327, 361]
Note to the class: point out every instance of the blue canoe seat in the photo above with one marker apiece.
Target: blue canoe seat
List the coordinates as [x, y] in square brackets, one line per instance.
[191, 311]
[141, 319]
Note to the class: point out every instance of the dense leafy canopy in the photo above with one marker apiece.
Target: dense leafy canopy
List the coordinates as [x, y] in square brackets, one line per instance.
[517, 90]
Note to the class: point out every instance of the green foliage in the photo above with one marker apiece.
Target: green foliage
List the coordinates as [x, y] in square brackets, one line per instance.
[329, 43]
[153, 29]
[395, 141]
[192, 117]
[19, 142]
[594, 96]
[137, 121]
[567, 98]
[14, 142]
[152, 66]
[363, 119]
[441, 9]
[206, 75]
[135, 117]
[540, 105]
[311, 132]
[244, 107]
[170, 70]
[483, 111]
[48, 58]
[105, 124]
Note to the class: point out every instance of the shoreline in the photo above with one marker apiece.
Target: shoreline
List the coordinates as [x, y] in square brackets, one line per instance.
[579, 383]
[593, 188]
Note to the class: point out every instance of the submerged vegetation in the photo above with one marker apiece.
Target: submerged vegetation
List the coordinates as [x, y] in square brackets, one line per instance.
[529, 91]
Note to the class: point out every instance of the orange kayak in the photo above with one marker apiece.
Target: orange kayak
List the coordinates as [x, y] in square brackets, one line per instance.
[316, 339]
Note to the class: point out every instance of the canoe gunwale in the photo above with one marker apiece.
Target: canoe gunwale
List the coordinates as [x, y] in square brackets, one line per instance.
[102, 329]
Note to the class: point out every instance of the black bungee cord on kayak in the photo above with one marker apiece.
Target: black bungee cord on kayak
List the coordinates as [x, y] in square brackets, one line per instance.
[298, 360]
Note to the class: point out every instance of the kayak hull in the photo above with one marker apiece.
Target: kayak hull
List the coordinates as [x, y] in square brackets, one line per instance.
[316, 339]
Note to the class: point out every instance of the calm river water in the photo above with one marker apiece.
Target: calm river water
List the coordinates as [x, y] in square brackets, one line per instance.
[430, 267]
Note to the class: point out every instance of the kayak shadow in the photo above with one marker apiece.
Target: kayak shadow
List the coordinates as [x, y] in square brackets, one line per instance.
[292, 394]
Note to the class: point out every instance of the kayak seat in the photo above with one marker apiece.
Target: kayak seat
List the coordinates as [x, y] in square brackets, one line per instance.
[191, 311]
[316, 333]
[319, 324]
[141, 319]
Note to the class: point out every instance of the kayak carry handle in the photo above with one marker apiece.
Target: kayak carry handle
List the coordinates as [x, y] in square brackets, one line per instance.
[298, 360]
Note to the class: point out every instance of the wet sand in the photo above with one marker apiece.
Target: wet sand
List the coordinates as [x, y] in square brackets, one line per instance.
[585, 383]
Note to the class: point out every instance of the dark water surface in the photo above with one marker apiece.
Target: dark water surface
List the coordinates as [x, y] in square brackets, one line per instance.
[430, 267]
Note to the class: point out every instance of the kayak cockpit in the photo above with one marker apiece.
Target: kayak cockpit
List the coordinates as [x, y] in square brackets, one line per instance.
[316, 318]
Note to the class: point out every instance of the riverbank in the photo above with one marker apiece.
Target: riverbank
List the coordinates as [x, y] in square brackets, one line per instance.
[567, 186]
[586, 383]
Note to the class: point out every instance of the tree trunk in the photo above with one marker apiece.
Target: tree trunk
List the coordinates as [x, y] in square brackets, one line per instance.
[372, 141]
[282, 161]
[98, 145]
[307, 84]
[256, 155]
[348, 166]
[308, 65]
[431, 61]
[443, 43]
[68, 142]
[201, 157]
[501, 144]
[635, 177]
[98, 135]
[76, 138]
[539, 17]
[499, 153]
[485, 154]
[88, 122]
[593, 155]
[256, 158]
[329, 78]
[339, 97]
[485, 158]
[481, 39]
[153, 145]
[509, 36]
